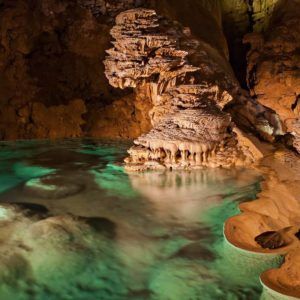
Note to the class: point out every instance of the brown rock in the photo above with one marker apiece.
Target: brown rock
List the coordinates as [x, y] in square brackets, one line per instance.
[270, 240]
[127, 117]
[57, 121]
[273, 72]
[50, 52]
[286, 279]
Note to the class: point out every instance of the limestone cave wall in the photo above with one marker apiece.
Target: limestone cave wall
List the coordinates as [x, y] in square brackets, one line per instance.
[51, 60]
[273, 66]
[52, 82]
[239, 18]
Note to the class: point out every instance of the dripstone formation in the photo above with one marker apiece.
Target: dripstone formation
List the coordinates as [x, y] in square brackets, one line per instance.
[190, 127]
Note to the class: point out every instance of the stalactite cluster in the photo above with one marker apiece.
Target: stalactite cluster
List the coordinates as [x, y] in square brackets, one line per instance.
[191, 129]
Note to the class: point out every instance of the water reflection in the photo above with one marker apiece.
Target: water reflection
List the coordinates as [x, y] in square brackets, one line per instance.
[120, 236]
[184, 196]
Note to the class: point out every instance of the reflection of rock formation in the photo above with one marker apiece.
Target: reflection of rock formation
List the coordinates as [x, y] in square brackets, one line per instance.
[185, 196]
[273, 70]
[190, 128]
[50, 250]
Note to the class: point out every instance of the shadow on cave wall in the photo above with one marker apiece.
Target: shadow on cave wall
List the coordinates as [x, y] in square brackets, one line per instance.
[239, 18]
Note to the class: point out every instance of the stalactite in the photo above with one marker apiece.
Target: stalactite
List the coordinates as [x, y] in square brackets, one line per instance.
[188, 100]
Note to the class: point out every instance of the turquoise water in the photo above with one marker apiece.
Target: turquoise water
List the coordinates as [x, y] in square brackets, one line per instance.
[74, 225]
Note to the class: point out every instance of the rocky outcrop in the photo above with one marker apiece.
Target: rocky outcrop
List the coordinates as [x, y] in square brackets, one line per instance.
[273, 67]
[51, 52]
[188, 88]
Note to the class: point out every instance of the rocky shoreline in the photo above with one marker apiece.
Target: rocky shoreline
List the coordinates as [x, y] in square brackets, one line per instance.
[277, 209]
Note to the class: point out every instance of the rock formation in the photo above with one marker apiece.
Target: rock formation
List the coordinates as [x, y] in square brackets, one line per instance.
[273, 66]
[286, 279]
[239, 18]
[245, 14]
[191, 129]
[49, 57]
[270, 225]
[51, 53]
[109, 8]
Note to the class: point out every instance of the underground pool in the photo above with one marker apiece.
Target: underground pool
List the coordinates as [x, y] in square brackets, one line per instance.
[75, 225]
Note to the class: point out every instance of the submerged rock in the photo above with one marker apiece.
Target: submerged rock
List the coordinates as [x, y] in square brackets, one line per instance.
[32, 209]
[101, 225]
[270, 240]
[181, 279]
[195, 251]
[52, 187]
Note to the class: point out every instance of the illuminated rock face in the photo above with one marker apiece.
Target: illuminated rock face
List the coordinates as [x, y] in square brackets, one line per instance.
[241, 13]
[190, 128]
[273, 67]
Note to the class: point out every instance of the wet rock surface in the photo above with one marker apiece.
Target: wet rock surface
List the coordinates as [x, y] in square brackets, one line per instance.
[269, 225]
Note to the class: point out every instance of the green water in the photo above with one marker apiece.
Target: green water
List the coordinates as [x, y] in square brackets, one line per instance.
[94, 232]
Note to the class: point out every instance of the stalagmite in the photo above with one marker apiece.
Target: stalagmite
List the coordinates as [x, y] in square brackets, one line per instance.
[190, 127]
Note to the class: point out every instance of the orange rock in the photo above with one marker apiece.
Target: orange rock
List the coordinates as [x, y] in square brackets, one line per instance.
[273, 72]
